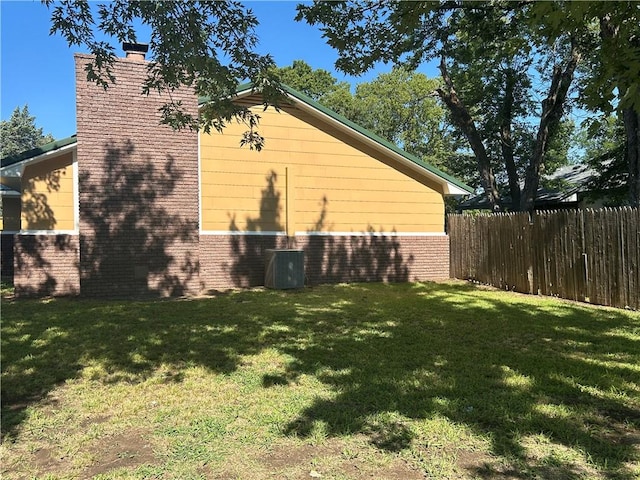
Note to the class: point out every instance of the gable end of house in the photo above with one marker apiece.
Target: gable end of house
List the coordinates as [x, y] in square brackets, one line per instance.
[450, 185]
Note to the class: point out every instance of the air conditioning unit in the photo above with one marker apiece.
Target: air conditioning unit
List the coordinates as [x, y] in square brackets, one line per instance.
[284, 268]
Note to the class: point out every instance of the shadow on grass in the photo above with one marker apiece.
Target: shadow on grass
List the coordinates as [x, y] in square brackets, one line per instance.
[505, 366]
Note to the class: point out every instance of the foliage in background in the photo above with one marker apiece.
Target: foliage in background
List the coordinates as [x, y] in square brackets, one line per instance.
[602, 141]
[20, 133]
[612, 64]
[316, 83]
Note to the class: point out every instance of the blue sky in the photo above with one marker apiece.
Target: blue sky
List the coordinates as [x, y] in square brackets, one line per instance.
[37, 69]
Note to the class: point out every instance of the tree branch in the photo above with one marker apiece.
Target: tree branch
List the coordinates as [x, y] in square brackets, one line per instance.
[552, 110]
[464, 121]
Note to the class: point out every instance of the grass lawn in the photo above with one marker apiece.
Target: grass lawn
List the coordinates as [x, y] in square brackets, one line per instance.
[404, 381]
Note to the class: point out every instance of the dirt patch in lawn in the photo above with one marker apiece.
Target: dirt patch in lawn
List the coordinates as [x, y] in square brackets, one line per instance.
[332, 459]
[46, 461]
[129, 449]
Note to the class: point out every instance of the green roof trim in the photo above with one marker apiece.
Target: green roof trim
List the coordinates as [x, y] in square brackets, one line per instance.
[363, 131]
[34, 152]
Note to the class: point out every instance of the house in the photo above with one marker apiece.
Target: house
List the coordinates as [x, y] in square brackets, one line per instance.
[129, 206]
[568, 187]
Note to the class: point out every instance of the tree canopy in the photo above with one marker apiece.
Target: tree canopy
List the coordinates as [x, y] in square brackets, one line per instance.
[491, 54]
[493, 66]
[612, 82]
[510, 70]
[20, 133]
[206, 46]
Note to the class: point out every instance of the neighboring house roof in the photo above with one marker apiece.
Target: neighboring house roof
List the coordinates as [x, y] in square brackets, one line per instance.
[567, 182]
[451, 185]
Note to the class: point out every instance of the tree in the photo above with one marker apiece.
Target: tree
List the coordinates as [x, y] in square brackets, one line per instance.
[314, 83]
[319, 85]
[201, 45]
[613, 82]
[399, 106]
[490, 64]
[20, 133]
[602, 141]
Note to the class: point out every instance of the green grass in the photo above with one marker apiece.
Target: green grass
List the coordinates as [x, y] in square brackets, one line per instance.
[351, 381]
[6, 288]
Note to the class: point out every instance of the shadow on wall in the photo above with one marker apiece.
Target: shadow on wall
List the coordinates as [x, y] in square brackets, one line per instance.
[7, 242]
[36, 213]
[372, 257]
[40, 261]
[328, 259]
[136, 237]
[247, 268]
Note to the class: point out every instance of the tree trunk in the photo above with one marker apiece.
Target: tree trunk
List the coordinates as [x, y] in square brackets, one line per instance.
[552, 110]
[506, 141]
[465, 123]
[630, 117]
[631, 120]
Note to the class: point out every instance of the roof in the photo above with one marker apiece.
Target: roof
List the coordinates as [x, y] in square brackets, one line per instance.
[453, 186]
[567, 182]
[8, 191]
[34, 152]
[456, 186]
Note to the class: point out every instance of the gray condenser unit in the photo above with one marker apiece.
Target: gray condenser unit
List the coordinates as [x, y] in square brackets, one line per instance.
[284, 269]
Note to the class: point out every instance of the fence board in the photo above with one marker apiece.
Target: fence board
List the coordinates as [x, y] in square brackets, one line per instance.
[586, 255]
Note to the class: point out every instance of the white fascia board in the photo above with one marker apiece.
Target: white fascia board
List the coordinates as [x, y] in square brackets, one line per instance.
[14, 170]
[242, 232]
[9, 193]
[199, 185]
[45, 232]
[324, 234]
[17, 169]
[370, 234]
[76, 191]
[451, 189]
[246, 93]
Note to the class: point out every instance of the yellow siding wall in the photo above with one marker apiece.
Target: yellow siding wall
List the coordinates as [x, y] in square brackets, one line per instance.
[309, 177]
[47, 195]
[10, 219]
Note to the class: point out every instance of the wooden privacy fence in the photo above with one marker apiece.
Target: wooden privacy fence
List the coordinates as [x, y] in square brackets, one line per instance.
[586, 255]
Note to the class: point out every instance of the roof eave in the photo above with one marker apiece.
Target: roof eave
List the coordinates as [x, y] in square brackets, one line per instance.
[15, 168]
[9, 192]
[450, 186]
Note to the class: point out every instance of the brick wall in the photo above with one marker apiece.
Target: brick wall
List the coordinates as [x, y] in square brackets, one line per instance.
[46, 265]
[6, 259]
[138, 189]
[229, 261]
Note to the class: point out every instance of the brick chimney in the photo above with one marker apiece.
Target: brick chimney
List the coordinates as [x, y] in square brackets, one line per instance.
[138, 183]
[135, 51]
